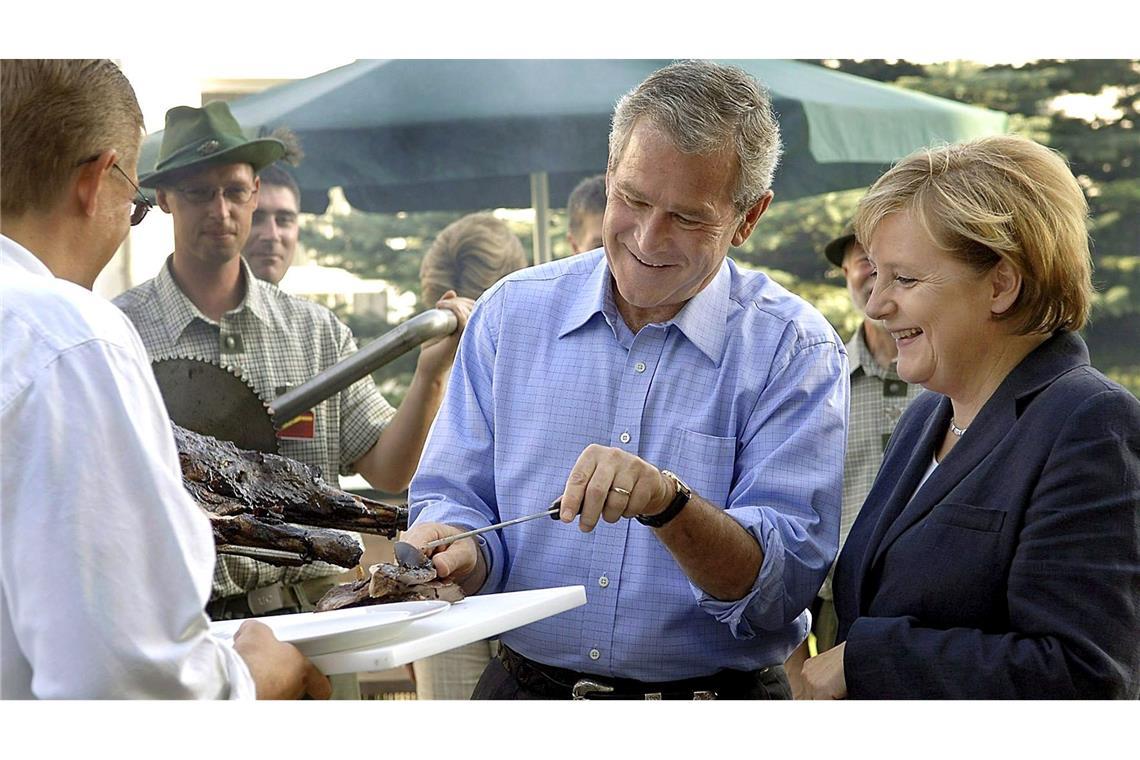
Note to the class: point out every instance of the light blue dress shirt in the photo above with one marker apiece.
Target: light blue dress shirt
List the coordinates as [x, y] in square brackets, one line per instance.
[743, 394]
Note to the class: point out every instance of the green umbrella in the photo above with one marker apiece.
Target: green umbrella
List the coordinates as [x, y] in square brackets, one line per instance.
[418, 135]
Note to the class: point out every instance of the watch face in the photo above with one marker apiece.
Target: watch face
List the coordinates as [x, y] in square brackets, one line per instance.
[680, 486]
[681, 497]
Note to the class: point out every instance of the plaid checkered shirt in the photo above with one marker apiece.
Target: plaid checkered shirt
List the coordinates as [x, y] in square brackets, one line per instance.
[878, 399]
[276, 341]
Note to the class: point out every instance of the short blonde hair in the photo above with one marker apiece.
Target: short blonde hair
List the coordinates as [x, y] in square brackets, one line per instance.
[1002, 197]
[468, 256]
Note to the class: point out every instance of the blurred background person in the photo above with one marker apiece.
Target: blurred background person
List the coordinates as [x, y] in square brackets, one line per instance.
[997, 555]
[584, 212]
[273, 234]
[468, 256]
[878, 399]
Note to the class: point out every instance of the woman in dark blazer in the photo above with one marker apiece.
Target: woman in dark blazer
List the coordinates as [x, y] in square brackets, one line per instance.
[998, 553]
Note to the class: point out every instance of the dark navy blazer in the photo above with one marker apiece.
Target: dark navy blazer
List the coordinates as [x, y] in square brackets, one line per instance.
[1015, 571]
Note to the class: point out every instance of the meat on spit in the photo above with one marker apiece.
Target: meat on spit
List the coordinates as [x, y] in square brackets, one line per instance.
[260, 500]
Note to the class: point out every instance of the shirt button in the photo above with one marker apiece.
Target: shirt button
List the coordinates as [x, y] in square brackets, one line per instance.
[595, 654]
[639, 367]
[603, 581]
[624, 438]
[229, 341]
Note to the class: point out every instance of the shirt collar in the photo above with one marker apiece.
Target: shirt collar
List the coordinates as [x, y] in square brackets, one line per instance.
[17, 255]
[180, 311]
[596, 297]
[703, 320]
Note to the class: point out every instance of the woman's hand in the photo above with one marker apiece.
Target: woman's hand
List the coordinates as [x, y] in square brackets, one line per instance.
[823, 675]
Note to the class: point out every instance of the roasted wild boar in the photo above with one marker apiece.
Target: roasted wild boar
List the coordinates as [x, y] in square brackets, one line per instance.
[390, 583]
[252, 497]
[307, 544]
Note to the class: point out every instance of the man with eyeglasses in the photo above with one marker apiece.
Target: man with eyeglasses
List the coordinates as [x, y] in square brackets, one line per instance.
[105, 556]
[206, 303]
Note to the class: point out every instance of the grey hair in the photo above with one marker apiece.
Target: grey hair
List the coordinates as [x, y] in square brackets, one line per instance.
[706, 107]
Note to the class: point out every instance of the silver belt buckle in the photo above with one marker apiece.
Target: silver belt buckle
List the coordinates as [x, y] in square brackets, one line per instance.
[267, 599]
[584, 688]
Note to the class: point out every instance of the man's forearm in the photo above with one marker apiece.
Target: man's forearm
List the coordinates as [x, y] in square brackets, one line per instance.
[717, 554]
[391, 462]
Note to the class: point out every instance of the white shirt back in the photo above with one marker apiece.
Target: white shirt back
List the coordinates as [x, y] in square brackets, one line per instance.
[105, 561]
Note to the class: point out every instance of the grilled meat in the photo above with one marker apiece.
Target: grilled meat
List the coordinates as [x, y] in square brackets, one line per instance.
[268, 492]
[390, 583]
[309, 544]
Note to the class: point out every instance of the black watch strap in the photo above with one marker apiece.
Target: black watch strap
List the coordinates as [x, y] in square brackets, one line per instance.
[679, 501]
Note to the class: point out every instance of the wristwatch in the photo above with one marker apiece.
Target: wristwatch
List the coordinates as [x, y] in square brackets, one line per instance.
[683, 494]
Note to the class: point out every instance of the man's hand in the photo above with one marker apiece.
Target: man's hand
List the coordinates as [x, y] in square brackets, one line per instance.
[279, 670]
[611, 484]
[461, 562]
[437, 355]
[823, 676]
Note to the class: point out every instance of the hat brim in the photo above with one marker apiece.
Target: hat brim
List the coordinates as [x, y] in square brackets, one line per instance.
[835, 250]
[259, 153]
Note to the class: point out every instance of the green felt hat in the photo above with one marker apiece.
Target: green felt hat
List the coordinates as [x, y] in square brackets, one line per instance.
[207, 136]
[836, 248]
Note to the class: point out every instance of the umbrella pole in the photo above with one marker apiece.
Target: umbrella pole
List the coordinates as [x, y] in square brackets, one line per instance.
[540, 202]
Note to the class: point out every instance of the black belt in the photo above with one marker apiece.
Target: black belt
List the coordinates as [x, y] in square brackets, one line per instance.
[560, 683]
[275, 599]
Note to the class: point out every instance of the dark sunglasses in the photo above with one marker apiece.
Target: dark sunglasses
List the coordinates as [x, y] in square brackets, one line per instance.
[142, 205]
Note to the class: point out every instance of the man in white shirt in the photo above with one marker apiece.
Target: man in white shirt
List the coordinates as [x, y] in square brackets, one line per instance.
[106, 561]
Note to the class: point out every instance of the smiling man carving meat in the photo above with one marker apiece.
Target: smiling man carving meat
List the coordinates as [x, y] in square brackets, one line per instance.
[653, 380]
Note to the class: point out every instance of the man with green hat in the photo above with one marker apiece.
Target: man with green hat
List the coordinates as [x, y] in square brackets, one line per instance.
[878, 399]
[205, 303]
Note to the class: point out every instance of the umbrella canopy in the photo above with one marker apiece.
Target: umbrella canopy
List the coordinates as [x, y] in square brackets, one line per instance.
[419, 135]
[436, 135]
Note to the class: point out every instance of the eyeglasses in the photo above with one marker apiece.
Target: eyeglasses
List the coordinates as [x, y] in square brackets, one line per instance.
[142, 205]
[237, 195]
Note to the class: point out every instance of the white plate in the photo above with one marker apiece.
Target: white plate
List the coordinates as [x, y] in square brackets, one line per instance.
[339, 630]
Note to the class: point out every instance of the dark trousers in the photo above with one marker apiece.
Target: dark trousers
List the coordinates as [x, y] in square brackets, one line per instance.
[537, 681]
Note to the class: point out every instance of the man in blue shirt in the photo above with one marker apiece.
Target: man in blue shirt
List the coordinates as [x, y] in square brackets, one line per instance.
[656, 380]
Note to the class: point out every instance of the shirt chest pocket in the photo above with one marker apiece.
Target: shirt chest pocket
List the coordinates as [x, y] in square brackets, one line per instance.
[705, 462]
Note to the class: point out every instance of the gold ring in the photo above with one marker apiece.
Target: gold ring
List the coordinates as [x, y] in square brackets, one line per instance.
[618, 489]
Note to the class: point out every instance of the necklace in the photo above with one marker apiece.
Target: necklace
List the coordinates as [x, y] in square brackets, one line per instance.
[957, 430]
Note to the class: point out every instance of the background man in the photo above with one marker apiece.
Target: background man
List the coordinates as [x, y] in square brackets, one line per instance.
[878, 399]
[584, 211]
[274, 231]
[90, 482]
[582, 377]
[205, 303]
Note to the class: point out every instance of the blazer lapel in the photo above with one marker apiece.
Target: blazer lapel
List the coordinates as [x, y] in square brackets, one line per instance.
[895, 484]
[986, 431]
[902, 483]
[997, 417]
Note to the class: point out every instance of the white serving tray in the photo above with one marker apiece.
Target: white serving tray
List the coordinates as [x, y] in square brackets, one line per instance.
[316, 633]
[474, 618]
